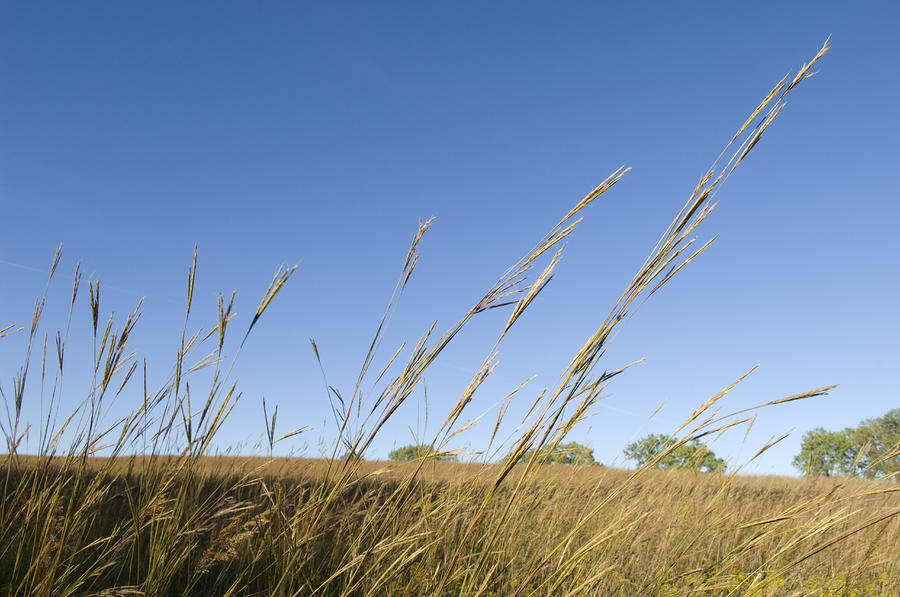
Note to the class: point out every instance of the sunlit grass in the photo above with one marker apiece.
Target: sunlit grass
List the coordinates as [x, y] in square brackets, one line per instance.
[139, 504]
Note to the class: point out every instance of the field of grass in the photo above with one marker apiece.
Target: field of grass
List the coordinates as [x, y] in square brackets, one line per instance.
[137, 503]
[177, 525]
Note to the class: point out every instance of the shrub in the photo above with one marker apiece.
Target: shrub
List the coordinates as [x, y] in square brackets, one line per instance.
[570, 453]
[666, 452]
[420, 451]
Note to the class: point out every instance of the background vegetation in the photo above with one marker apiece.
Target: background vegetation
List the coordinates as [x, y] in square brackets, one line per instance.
[693, 456]
[567, 453]
[870, 450]
[420, 452]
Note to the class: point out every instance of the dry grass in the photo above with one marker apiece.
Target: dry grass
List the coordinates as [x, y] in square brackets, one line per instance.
[136, 505]
[667, 533]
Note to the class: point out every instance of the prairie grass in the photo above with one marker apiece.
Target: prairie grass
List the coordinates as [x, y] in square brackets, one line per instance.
[138, 504]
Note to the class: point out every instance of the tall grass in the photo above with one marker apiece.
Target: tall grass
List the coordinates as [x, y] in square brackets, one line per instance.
[137, 504]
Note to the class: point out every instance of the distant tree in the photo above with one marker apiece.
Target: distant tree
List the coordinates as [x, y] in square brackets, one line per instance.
[870, 450]
[879, 441]
[826, 453]
[570, 453]
[693, 456]
[417, 451]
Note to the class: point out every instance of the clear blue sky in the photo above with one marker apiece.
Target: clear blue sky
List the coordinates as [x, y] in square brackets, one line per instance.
[319, 133]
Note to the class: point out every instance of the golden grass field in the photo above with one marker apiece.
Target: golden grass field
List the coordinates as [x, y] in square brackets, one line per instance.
[249, 525]
[137, 503]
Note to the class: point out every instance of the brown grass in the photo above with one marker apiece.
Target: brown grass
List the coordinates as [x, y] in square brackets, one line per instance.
[137, 505]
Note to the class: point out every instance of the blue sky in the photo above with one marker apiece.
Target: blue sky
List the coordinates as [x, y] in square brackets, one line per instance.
[319, 134]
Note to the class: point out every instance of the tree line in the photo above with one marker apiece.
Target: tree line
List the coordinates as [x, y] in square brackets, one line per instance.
[870, 450]
[660, 451]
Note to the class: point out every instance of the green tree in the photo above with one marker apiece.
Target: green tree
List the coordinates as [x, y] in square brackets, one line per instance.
[825, 453]
[693, 455]
[570, 453]
[870, 450]
[879, 445]
[417, 451]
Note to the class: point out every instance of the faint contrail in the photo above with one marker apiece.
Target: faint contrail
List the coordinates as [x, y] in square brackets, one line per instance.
[105, 286]
[20, 266]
